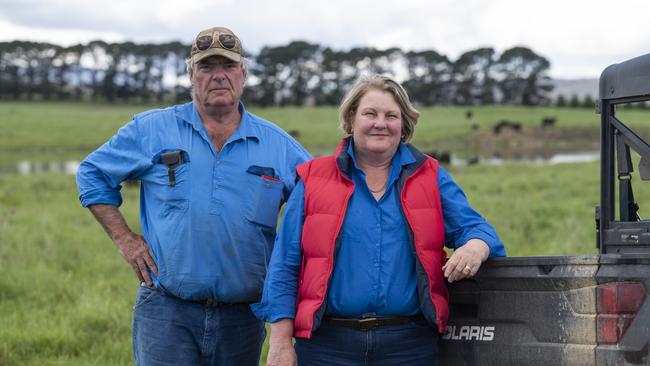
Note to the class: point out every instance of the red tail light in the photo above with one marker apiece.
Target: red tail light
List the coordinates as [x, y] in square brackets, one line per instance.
[617, 304]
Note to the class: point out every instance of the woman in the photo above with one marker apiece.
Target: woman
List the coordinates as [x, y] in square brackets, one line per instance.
[356, 275]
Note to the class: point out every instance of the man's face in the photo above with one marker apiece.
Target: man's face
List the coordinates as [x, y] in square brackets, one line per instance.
[217, 82]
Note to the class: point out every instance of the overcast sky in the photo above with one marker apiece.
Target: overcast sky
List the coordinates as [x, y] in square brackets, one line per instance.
[579, 37]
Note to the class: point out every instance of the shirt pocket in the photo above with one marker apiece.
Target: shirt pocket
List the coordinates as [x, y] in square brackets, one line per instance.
[174, 198]
[265, 200]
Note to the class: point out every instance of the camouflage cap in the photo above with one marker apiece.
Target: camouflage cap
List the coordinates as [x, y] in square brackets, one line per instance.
[216, 41]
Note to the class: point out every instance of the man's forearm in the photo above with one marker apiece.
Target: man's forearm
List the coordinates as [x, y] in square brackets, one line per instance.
[132, 246]
[111, 219]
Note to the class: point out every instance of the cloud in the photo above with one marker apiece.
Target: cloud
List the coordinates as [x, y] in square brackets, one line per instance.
[64, 37]
[579, 37]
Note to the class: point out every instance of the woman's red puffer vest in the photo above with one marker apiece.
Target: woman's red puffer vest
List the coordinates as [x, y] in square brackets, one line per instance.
[327, 193]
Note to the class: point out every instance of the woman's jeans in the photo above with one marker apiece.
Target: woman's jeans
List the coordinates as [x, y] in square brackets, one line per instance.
[405, 344]
[171, 331]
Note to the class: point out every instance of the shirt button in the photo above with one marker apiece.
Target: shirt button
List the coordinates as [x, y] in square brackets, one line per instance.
[216, 186]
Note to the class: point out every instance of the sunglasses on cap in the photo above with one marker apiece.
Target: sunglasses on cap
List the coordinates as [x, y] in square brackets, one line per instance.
[226, 41]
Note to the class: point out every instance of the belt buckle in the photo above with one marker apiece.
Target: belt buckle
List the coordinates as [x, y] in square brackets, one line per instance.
[367, 323]
[211, 302]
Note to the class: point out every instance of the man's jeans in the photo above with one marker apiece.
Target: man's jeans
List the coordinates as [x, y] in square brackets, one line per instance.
[171, 331]
[333, 344]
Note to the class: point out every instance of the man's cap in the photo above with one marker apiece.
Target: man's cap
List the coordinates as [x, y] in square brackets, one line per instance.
[216, 41]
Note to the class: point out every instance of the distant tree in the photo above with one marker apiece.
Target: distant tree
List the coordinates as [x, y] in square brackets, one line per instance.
[176, 55]
[575, 101]
[11, 55]
[588, 102]
[339, 70]
[75, 75]
[60, 70]
[9, 80]
[472, 76]
[561, 101]
[337, 75]
[27, 69]
[522, 77]
[109, 85]
[372, 60]
[98, 52]
[287, 74]
[429, 76]
[298, 73]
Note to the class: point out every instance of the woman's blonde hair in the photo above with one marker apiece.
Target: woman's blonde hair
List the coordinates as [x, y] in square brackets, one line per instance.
[350, 103]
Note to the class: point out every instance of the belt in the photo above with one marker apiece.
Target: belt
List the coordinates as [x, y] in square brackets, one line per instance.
[208, 302]
[216, 303]
[374, 322]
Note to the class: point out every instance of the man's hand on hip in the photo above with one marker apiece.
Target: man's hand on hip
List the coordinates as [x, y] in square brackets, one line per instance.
[132, 246]
[136, 253]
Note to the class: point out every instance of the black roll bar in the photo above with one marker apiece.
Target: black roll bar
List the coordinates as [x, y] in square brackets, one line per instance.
[622, 83]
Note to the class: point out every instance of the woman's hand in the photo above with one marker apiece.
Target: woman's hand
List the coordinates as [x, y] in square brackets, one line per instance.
[281, 350]
[281, 354]
[466, 260]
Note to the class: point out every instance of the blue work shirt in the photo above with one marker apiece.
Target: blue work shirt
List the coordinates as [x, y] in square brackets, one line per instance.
[374, 271]
[212, 230]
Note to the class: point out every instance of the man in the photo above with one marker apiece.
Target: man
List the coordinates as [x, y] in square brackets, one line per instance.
[213, 177]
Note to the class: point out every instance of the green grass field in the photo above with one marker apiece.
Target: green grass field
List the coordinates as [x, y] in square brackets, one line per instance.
[74, 127]
[66, 295]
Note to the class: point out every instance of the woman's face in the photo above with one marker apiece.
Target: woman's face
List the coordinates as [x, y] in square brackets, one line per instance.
[377, 123]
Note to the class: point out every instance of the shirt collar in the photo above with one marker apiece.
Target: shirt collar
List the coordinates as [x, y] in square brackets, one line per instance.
[403, 156]
[247, 127]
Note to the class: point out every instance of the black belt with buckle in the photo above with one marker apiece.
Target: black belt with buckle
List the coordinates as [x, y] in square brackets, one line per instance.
[370, 323]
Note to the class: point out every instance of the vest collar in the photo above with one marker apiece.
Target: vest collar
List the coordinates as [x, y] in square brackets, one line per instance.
[420, 158]
[343, 159]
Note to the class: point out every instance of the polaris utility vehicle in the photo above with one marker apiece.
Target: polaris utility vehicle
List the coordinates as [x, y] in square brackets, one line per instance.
[582, 310]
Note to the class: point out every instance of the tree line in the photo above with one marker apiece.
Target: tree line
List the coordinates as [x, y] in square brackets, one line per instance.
[298, 73]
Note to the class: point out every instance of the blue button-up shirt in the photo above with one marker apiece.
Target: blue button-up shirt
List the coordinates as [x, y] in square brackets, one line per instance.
[212, 230]
[374, 271]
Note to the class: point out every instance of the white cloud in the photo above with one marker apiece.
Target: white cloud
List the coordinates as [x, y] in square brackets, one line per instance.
[63, 37]
[579, 37]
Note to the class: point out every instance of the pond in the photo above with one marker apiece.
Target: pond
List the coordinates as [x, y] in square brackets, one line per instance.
[26, 166]
[558, 158]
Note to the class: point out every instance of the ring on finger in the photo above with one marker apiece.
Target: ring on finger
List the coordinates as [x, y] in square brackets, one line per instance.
[468, 269]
